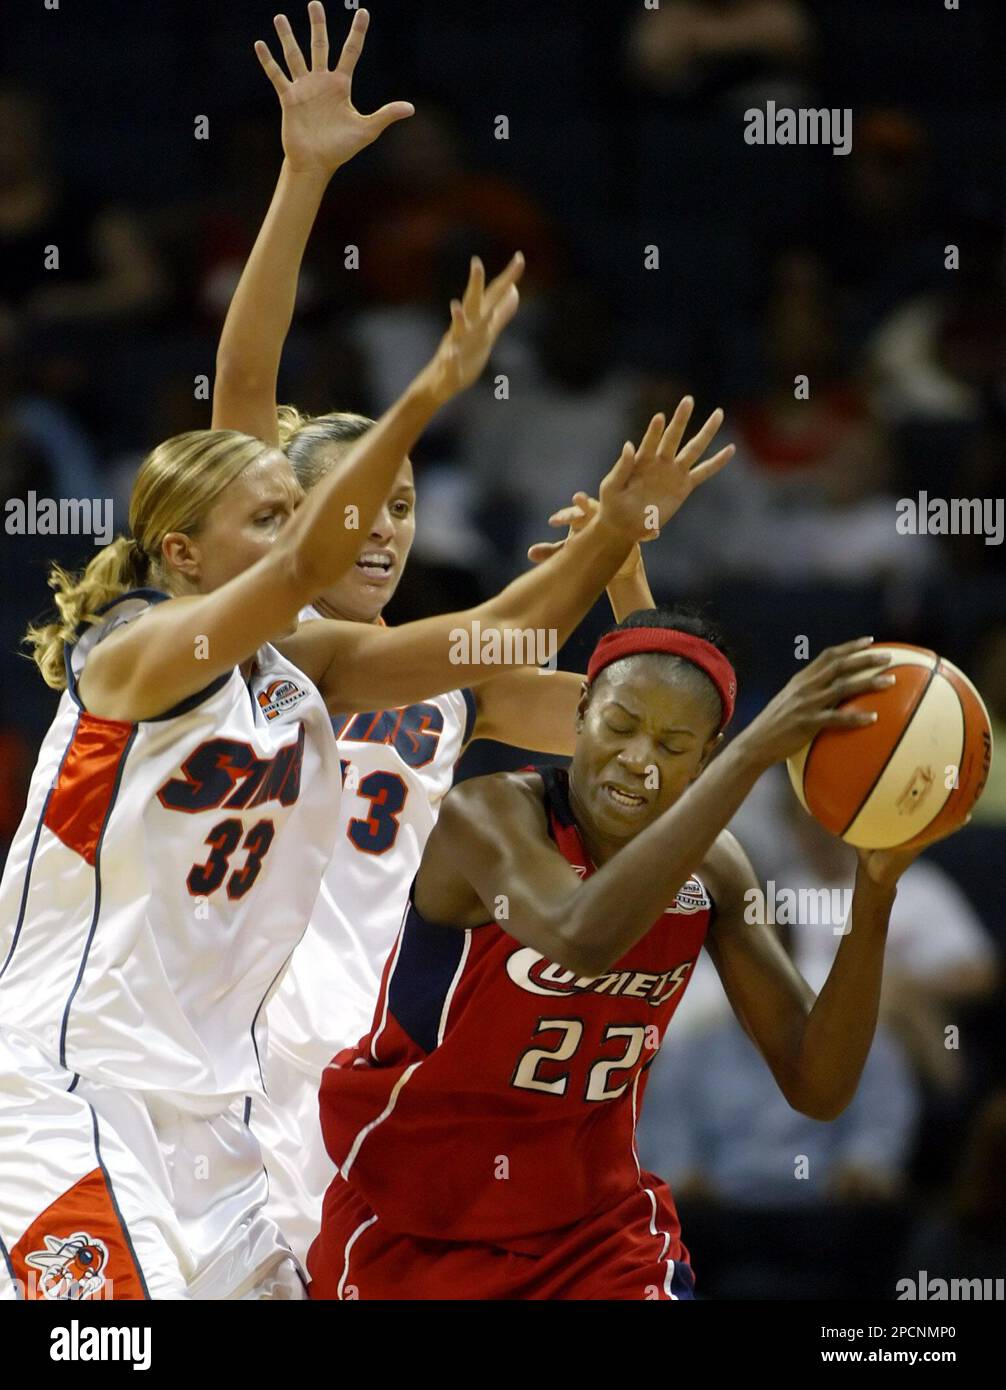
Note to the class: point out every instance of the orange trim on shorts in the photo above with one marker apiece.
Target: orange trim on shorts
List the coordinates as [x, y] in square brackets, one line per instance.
[78, 1249]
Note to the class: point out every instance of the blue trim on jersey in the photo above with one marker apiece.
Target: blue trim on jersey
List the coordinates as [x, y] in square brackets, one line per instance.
[427, 963]
[472, 714]
[682, 1281]
[97, 895]
[115, 1203]
[248, 1106]
[191, 702]
[251, 696]
[556, 783]
[258, 1059]
[18, 1295]
[183, 707]
[34, 846]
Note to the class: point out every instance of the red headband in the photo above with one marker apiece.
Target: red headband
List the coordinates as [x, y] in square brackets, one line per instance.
[631, 641]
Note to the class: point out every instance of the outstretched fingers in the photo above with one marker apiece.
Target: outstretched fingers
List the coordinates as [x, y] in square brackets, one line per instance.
[353, 47]
[387, 115]
[272, 69]
[650, 442]
[625, 466]
[503, 283]
[475, 288]
[676, 426]
[291, 49]
[319, 34]
[700, 442]
[504, 311]
[702, 472]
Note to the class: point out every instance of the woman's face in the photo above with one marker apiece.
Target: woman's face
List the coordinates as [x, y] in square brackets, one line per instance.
[642, 738]
[362, 592]
[239, 528]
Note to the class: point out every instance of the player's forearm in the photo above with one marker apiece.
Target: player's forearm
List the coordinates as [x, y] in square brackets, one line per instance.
[261, 311]
[555, 596]
[629, 593]
[839, 1030]
[618, 905]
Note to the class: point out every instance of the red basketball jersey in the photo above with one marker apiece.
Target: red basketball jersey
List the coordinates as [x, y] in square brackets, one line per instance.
[495, 1097]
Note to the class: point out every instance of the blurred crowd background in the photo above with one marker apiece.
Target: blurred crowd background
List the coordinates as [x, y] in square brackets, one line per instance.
[625, 133]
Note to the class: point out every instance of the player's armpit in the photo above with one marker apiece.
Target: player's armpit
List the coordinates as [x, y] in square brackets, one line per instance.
[766, 991]
[530, 709]
[490, 857]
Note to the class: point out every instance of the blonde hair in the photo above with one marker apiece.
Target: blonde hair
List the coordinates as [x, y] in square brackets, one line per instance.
[176, 486]
[302, 437]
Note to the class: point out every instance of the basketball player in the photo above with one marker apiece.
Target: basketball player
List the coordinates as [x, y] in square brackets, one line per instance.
[398, 764]
[177, 829]
[484, 1128]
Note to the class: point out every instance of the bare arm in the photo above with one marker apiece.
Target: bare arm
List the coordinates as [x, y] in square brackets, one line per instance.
[176, 650]
[362, 666]
[628, 589]
[587, 926]
[816, 1048]
[358, 666]
[529, 710]
[321, 131]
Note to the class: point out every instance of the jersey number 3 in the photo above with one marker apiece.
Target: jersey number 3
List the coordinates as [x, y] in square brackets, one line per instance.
[377, 831]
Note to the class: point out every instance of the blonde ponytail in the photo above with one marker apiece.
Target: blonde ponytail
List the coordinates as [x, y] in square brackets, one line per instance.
[176, 486]
[117, 568]
[290, 421]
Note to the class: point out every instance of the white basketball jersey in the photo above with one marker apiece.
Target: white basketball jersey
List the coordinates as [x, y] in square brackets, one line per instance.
[397, 765]
[163, 873]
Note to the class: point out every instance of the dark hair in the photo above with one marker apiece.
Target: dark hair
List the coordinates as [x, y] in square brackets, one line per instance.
[682, 618]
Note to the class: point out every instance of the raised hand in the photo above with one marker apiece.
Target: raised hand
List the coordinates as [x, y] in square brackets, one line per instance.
[885, 866]
[575, 517]
[650, 483]
[322, 129]
[477, 320]
[809, 702]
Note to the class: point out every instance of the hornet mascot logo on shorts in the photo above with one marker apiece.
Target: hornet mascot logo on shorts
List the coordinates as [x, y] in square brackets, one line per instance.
[71, 1267]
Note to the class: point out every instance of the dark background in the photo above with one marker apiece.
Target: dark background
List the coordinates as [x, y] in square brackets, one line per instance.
[773, 262]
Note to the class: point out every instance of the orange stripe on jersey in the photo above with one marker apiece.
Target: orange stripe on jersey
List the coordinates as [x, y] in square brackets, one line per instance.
[77, 1250]
[80, 799]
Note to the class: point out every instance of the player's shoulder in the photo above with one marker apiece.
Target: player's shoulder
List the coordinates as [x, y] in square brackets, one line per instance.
[106, 628]
[496, 797]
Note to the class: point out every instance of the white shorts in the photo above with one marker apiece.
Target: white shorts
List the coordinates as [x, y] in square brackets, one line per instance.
[110, 1193]
[288, 1127]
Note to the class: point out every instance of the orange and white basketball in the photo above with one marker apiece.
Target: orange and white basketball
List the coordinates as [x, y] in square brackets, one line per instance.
[912, 776]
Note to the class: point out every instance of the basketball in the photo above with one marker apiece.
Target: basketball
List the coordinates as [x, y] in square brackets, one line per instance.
[914, 775]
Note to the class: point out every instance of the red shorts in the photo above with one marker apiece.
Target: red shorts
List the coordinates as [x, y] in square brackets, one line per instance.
[632, 1251]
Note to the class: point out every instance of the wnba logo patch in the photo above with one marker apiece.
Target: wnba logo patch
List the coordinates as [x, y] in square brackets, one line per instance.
[71, 1267]
[280, 696]
[692, 897]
